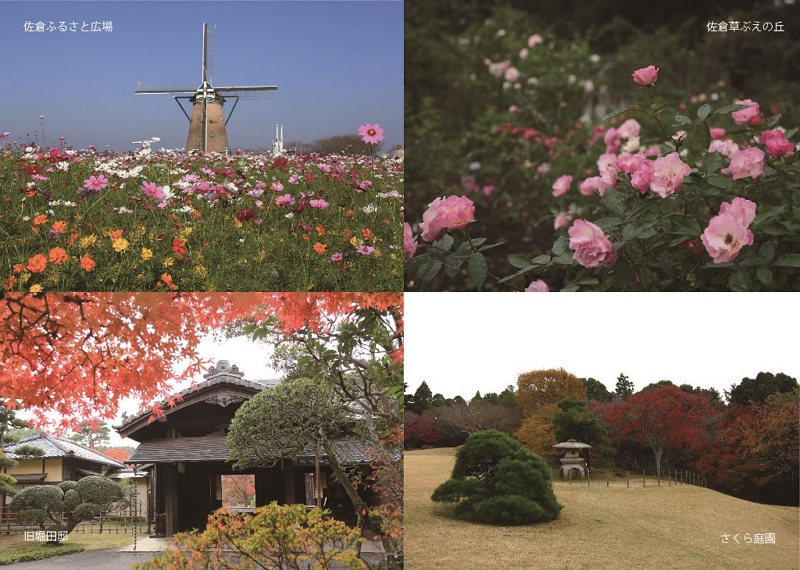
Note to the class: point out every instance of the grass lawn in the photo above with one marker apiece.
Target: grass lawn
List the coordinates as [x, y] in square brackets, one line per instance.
[14, 548]
[599, 527]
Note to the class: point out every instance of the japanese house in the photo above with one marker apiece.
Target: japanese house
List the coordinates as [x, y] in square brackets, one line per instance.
[187, 447]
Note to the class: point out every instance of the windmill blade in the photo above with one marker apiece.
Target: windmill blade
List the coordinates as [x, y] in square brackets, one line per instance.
[249, 92]
[209, 43]
[156, 88]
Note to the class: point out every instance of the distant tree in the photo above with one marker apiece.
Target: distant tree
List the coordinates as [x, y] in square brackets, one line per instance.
[343, 144]
[496, 480]
[77, 501]
[115, 453]
[438, 400]
[575, 421]
[29, 451]
[422, 397]
[624, 387]
[238, 490]
[596, 390]
[480, 415]
[537, 395]
[772, 440]
[9, 422]
[91, 433]
[665, 419]
[418, 430]
[656, 385]
[752, 391]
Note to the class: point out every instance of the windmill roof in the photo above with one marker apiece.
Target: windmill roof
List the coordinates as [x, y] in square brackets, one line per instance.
[55, 447]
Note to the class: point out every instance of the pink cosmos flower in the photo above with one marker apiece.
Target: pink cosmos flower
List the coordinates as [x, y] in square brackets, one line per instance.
[748, 162]
[372, 134]
[409, 243]
[321, 204]
[96, 183]
[776, 142]
[749, 116]
[153, 190]
[285, 200]
[646, 75]
[668, 174]
[537, 286]
[276, 187]
[365, 249]
[336, 257]
[561, 185]
[727, 233]
[591, 246]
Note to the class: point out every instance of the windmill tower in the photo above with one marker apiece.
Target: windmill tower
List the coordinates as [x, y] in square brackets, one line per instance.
[207, 125]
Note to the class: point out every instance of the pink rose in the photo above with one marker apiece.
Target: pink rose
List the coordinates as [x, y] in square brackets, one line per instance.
[727, 233]
[409, 243]
[534, 40]
[629, 129]
[717, 133]
[646, 75]
[561, 185]
[726, 148]
[451, 213]
[537, 286]
[776, 142]
[612, 140]
[562, 220]
[748, 162]
[592, 185]
[668, 174]
[749, 116]
[591, 246]
[642, 175]
[511, 74]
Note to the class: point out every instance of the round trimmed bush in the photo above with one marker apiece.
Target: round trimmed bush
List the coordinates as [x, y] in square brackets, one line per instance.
[496, 480]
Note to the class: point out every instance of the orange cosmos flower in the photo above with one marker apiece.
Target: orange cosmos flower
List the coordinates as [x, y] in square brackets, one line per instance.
[116, 234]
[177, 246]
[320, 248]
[9, 282]
[87, 262]
[167, 279]
[37, 263]
[60, 226]
[320, 230]
[58, 255]
[40, 219]
[18, 267]
[366, 233]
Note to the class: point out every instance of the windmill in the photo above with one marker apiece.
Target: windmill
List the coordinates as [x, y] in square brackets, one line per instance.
[207, 130]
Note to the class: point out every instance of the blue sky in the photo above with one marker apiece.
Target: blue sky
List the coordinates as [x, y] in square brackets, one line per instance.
[337, 65]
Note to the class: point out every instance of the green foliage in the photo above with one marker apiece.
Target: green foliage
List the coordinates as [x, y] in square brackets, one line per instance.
[77, 501]
[575, 421]
[596, 390]
[276, 536]
[751, 391]
[496, 480]
[29, 451]
[35, 551]
[262, 433]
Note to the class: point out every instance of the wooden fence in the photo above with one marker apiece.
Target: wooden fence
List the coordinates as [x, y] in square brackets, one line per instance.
[111, 523]
[676, 477]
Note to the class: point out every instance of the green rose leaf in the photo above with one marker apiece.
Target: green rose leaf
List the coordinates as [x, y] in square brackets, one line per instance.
[520, 261]
[711, 162]
[704, 111]
[478, 269]
[541, 260]
[730, 109]
[682, 120]
[428, 271]
[764, 275]
[614, 201]
[560, 246]
[619, 111]
[788, 260]
[720, 181]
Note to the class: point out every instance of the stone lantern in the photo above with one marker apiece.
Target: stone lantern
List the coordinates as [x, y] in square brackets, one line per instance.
[572, 460]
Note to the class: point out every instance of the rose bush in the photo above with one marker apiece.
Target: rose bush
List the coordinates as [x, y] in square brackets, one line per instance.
[710, 202]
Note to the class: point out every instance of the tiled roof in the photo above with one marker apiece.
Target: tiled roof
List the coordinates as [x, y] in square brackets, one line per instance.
[55, 447]
[215, 448]
[222, 373]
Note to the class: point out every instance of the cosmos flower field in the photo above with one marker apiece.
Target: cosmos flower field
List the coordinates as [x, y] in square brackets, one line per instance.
[158, 221]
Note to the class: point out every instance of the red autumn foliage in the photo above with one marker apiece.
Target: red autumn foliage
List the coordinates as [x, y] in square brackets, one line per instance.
[79, 354]
[418, 430]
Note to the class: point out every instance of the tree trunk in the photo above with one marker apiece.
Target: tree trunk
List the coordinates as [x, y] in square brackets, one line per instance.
[658, 451]
[359, 504]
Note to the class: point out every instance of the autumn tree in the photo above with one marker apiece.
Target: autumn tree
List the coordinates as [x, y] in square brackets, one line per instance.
[481, 415]
[665, 419]
[418, 430]
[91, 433]
[80, 354]
[538, 393]
[238, 490]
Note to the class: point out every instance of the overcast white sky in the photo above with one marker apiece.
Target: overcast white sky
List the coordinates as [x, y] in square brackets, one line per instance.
[463, 342]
